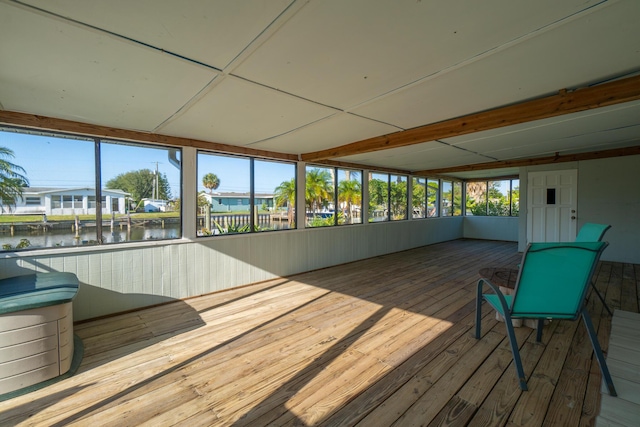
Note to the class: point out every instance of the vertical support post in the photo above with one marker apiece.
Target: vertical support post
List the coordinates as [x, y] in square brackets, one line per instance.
[255, 219]
[189, 192]
[98, 169]
[207, 218]
[301, 204]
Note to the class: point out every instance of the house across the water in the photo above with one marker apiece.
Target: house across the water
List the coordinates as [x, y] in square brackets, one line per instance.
[236, 202]
[67, 201]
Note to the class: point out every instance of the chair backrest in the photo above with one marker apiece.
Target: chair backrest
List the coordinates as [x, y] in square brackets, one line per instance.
[591, 232]
[554, 279]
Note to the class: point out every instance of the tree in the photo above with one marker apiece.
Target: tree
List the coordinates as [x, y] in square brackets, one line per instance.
[211, 182]
[319, 188]
[349, 193]
[419, 197]
[140, 184]
[491, 201]
[202, 203]
[432, 197]
[285, 195]
[378, 195]
[498, 203]
[398, 199]
[12, 181]
[515, 201]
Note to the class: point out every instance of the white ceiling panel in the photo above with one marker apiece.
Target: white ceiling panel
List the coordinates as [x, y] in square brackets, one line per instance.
[564, 56]
[566, 133]
[429, 155]
[605, 140]
[400, 151]
[488, 173]
[237, 112]
[74, 73]
[576, 124]
[343, 53]
[207, 31]
[339, 129]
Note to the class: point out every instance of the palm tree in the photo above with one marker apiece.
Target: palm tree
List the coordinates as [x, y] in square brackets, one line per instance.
[12, 181]
[349, 192]
[211, 182]
[319, 188]
[285, 194]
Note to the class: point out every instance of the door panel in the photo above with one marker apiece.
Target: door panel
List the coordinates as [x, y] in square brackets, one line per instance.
[552, 206]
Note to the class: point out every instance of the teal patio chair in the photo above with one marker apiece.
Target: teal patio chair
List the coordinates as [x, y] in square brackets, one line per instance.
[591, 232]
[552, 283]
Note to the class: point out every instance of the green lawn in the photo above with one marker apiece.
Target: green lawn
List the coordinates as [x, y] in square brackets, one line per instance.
[8, 219]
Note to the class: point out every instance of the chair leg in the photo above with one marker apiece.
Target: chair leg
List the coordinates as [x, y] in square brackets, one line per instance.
[539, 331]
[598, 351]
[515, 351]
[478, 309]
[601, 299]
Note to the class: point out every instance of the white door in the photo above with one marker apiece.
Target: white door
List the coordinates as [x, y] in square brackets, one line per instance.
[552, 206]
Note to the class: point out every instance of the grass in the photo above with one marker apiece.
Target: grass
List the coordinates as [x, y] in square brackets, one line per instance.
[9, 219]
[12, 219]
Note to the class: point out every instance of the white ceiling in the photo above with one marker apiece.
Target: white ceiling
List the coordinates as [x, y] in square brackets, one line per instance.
[295, 76]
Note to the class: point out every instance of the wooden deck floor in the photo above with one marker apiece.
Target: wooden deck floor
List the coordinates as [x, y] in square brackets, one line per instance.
[380, 342]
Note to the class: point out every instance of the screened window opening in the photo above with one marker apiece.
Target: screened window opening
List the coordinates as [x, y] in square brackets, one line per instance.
[398, 197]
[419, 197]
[223, 185]
[320, 196]
[238, 194]
[433, 197]
[388, 199]
[275, 195]
[349, 196]
[446, 207]
[492, 198]
[457, 198]
[58, 178]
[378, 197]
[142, 185]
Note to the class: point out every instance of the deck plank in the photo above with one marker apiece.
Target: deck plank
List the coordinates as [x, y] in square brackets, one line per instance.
[378, 342]
[623, 360]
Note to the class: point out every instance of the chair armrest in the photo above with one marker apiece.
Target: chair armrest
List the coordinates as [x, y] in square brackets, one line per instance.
[496, 290]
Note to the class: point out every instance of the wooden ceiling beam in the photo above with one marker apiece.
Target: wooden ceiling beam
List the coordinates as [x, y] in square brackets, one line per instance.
[32, 121]
[565, 102]
[593, 155]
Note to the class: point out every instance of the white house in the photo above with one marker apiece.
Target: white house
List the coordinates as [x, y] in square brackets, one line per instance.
[67, 201]
[155, 205]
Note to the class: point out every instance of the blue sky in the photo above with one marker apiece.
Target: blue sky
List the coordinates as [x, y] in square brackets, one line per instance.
[60, 162]
[233, 173]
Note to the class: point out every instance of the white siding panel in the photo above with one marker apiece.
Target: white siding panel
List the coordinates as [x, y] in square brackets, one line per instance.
[95, 277]
[146, 271]
[107, 272]
[119, 271]
[115, 279]
[158, 271]
[491, 228]
[177, 285]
